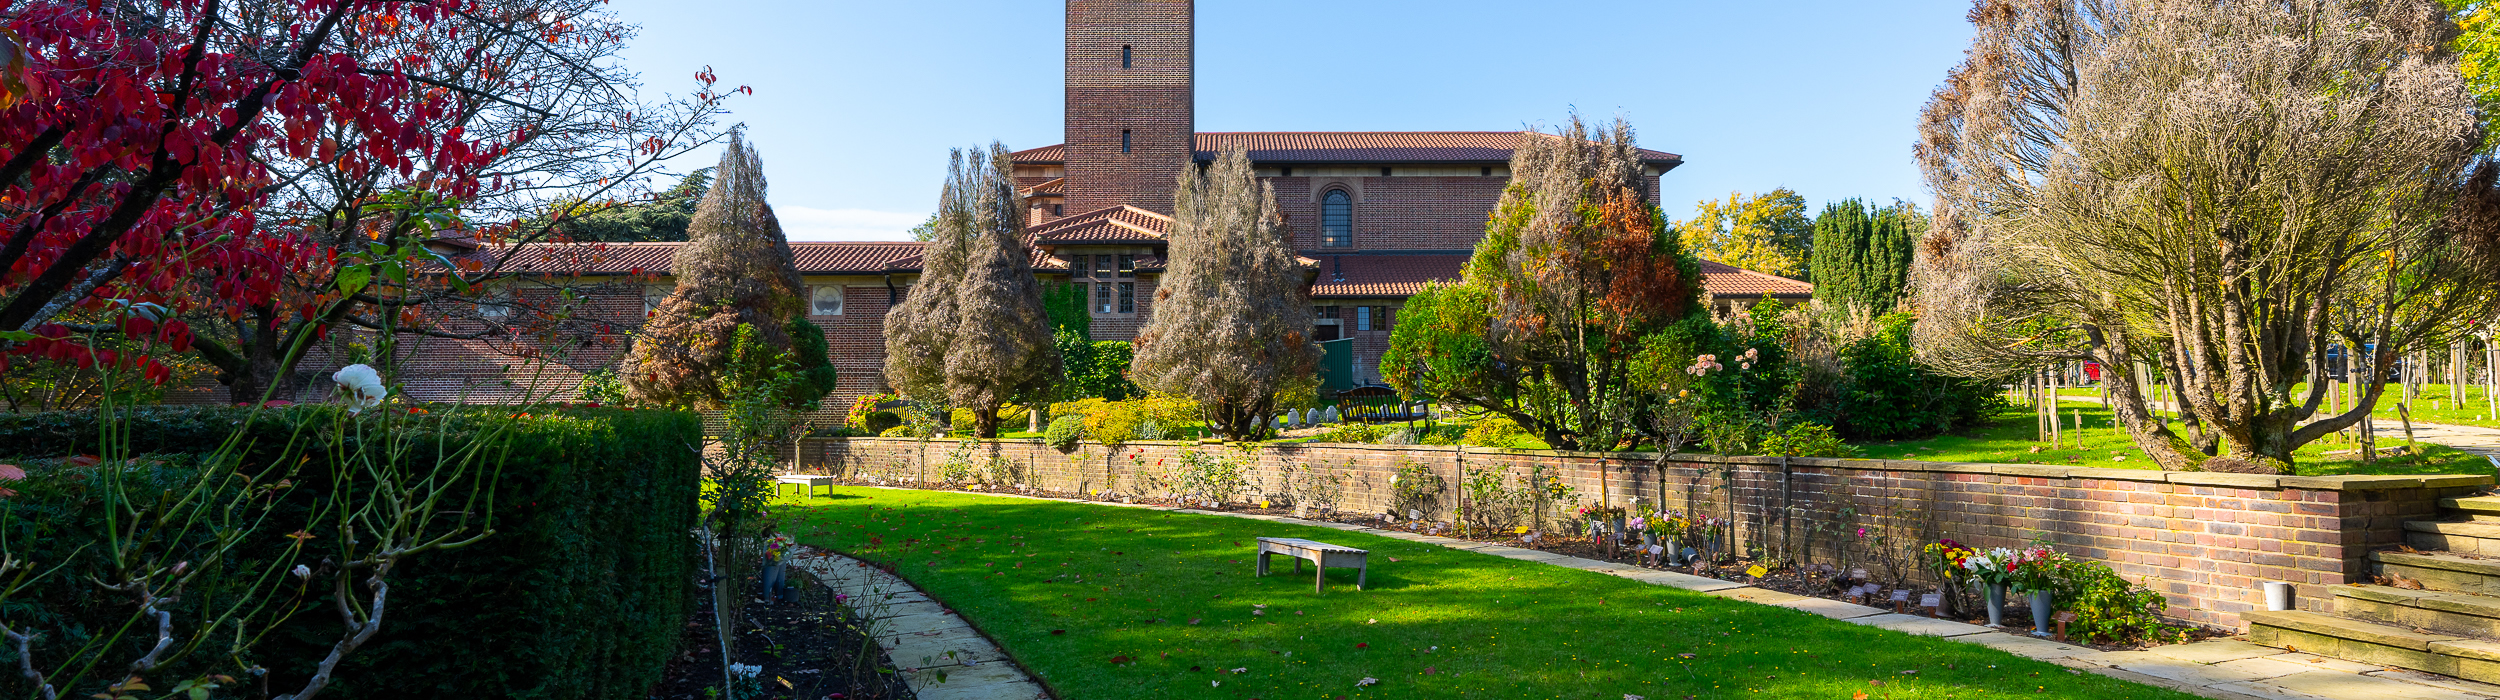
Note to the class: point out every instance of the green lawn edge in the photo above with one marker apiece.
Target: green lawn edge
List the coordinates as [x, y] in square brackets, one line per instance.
[1504, 628]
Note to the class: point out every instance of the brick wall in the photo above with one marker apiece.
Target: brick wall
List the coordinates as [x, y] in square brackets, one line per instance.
[2203, 540]
[1150, 98]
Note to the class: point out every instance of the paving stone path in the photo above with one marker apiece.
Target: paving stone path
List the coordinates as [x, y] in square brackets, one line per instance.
[942, 656]
[2223, 668]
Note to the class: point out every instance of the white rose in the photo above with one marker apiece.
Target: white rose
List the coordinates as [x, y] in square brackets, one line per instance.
[363, 385]
[302, 571]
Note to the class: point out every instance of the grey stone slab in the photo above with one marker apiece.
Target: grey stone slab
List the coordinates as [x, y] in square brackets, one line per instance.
[2160, 682]
[2026, 646]
[2439, 681]
[2324, 663]
[2215, 651]
[2179, 670]
[2264, 668]
[926, 622]
[987, 681]
[1922, 626]
[1684, 581]
[2335, 685]
[1751, 594]
[926, 650]
[1830, 608]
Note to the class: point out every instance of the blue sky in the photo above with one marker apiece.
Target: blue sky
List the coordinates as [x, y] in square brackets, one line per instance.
[856, 103]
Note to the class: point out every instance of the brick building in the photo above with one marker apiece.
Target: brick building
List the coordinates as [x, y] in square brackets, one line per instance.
[1376, 214]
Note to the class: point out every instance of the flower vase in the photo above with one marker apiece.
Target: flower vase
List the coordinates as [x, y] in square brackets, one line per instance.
[1996, 603]
[2041, 602]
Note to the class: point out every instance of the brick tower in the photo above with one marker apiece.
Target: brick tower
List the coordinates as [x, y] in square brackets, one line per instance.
[1131, 82]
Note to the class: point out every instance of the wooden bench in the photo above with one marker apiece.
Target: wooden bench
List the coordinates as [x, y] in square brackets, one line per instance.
[1322, 555]
[809, 482]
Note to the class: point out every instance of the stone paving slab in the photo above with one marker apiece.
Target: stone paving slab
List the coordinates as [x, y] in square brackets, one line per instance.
[1754, 595]
[2026, 645]
[2332, 685]
[1830, 608]
[1921, 626]
[2329, 663]
[916, 631]
[2215, 651]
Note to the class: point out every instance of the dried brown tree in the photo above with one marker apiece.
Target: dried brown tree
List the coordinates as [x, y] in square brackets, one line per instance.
[1232, 316]
[735, 269]
[973, 331]
[2225, 190]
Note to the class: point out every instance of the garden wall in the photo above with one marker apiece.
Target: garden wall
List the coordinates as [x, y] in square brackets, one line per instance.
[2205, 540]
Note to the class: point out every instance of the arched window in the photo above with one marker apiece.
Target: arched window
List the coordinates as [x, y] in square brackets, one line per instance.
[1336, 219]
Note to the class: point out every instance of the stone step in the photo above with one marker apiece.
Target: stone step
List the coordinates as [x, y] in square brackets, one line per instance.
[2442, 572]
[2479, 507]
[2467, 537]
[2373, 643]
[2437, 612]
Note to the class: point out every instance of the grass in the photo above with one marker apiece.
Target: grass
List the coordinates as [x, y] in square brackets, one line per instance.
[2009, 440]
[1110, 602]
[2432, 404]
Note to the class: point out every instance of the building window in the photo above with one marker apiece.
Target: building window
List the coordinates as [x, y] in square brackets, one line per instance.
[1102, 265]
[1102, 298]
[1488, 171]
[825, 301]
[1387, 317]
[1125, 55]
[1384, 172]
[1128, 266]
[1124, 140]
[495, 304]
[1324, 311]
[1362, 318]
[1336, 219]
[1076, 265]
[652, 297]
[1058, 210]
[1128, 297]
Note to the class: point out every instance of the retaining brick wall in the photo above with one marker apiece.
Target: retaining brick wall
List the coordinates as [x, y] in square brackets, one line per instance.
[2204, 540]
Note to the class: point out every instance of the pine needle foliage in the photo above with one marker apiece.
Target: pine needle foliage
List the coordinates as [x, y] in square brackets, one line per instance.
[973, 333]
[1564, 320]
[1232, 316]
[735, 269]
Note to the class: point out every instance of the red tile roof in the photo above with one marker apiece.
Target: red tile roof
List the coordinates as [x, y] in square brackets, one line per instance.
[1056, 185]
[1344, 276]
[1730, 281]
[1353, 147]
[655, 258]
[1111, 224]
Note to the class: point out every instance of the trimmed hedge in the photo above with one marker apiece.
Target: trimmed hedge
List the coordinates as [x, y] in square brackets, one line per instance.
[580, 592]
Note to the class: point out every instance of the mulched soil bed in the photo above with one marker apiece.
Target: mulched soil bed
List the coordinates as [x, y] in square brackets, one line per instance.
[810, 650]
[1814, 583]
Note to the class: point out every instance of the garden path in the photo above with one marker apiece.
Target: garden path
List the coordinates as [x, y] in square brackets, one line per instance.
[941, 655]
[2223, 668]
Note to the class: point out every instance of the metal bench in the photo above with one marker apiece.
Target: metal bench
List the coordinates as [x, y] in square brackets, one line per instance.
[808, 482]
[1322, 556]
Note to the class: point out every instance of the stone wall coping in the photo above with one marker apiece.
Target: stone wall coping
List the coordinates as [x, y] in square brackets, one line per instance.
[2372, 482]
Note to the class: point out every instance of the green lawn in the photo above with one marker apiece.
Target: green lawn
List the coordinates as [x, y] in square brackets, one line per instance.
[2010, 438]
[1109, 602]
[2433, 404]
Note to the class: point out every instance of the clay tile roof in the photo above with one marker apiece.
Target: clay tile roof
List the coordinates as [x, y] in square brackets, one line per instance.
[1056, 185]
[1353, 147]
[1343, 276]
[1723, 280]
[822, 258]
[1110, 224]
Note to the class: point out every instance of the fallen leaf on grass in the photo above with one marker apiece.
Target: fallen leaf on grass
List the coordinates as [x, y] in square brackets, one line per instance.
[1367, 680]
[1373, 621]
[1860, 695]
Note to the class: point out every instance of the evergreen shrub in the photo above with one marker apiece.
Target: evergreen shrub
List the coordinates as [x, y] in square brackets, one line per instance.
[580, 592]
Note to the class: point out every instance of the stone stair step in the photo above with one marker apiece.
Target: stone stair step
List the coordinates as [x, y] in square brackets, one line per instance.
[2440, 612]
[2468, 537]
[2442, 572]
[2480, 507]
[2373, 643]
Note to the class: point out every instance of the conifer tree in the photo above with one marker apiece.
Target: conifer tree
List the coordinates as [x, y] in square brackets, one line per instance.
[973, 332]
[735, 270]
[1232, 316]
[1862, 254]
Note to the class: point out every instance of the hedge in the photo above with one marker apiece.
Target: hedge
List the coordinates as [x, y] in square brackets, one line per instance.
[581, 592]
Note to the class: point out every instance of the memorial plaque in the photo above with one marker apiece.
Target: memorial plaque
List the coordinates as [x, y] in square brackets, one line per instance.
[1655, 550]
[2065, 616]
[1900, 596]
[1931, 600]
[1859, 574]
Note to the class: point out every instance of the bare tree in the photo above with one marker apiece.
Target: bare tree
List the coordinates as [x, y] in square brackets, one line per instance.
[1232, 314]
[2225, 190]
[736, 270]
[973, 330]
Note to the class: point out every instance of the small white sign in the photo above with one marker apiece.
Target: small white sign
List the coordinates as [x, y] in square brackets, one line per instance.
[1931, 600]
[1900, 596]
[1656, 549]
[1859, 574]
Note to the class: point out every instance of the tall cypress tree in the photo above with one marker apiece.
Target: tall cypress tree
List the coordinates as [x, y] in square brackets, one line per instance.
[1232, 318]
[974, 330]
[736, 270]
[1862, 253]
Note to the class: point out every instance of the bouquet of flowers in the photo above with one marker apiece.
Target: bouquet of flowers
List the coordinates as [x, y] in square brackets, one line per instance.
[777, 546]
[1996, 566]
[2035, 568]
[1946, 557]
